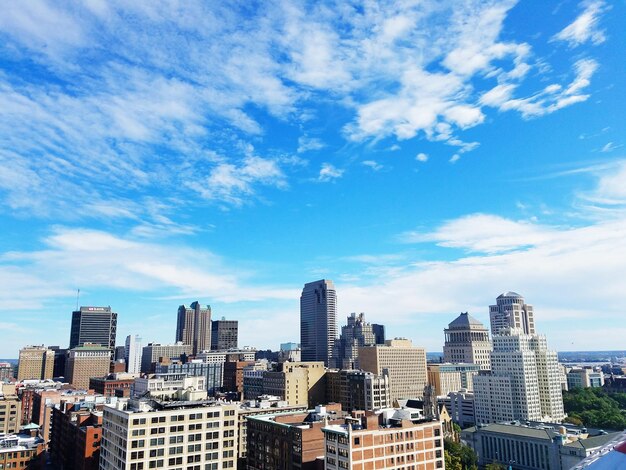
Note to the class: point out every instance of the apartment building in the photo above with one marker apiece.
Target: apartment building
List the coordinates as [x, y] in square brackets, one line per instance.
[358, 390]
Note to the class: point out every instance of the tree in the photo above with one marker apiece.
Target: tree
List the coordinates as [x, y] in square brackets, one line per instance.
[460, 454]
[495, 466]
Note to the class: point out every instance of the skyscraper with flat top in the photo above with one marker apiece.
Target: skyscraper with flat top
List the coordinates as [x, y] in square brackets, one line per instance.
[194, 327]
[224, 334]
[511, 311]
[96, 325]
[318, 321]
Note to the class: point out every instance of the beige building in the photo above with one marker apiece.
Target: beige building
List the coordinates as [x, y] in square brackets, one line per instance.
[444, 381]
[36, 362]
[194, 327]
[85, 362]
[404, 363]
[389, 439]
[467, 341]
[358, 390]
[200, 435]
[511, 311]
[10, 410]
[298, 383]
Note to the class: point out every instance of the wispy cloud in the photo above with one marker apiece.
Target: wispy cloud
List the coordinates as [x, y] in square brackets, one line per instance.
[374, 165]
[585, 26]
[329, 172]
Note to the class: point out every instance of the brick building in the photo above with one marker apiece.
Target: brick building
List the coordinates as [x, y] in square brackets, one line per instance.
[113, 385]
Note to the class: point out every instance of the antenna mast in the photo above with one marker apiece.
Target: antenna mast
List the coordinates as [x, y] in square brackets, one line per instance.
[77, 296]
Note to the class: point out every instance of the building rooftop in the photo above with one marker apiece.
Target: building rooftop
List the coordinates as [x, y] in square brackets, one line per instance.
[465, 320]
[509, 294]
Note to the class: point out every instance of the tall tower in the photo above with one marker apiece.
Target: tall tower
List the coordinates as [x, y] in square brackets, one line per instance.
[224, 334]
[132, 354]
[467, 341]
[96, 325]
[318, 320]
[357, 333]
[510, 311]
[194, 327]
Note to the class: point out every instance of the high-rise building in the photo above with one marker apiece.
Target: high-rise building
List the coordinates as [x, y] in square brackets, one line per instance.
[96, 325]
[467, 341]
[170, 435]
[85, 362]
[6, 371]
[523, 384]
[510, 311]
[133, 352]
[379, 333]
[318, 321]
[404, 363]
[356, 334]
[194, 327]
[224, 334]
[153, 352]
[358, 390]
[36, 362]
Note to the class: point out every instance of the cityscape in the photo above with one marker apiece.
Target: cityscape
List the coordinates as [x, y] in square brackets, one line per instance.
[312, 235]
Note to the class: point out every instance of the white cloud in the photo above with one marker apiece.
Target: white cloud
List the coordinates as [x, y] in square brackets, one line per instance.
[585, 27]
[454, 158]
[421, 157]
[306, 144]
[329, 172]
[609, 147]
[374, 165]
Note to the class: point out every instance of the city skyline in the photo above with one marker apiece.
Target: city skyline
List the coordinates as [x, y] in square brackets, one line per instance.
[425, 158]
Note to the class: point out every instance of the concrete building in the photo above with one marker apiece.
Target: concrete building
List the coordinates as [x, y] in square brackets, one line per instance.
[318, 321]
[76, 435]
[213, 373]
[524, 383]
[511, 311]
[193, 327]
[584, 377]
[356, 334]
[141, 434]
[96, 325]
[404, 363]
[224, 334]
[23, 451]
[460, 407]
[467, 341]
[358, 390]
[214, 357]
[389, 439]
[6, 371]
[233, 376]
[447, 378]
[282, 441]
[167, 386]
[85, 362]
[35, 362]
[298, 383]
[10, 411]
[253, 382]
[133, 352]
[534, 446]
[154, 352]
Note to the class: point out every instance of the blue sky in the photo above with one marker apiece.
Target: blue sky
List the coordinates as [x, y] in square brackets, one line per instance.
[426, 156]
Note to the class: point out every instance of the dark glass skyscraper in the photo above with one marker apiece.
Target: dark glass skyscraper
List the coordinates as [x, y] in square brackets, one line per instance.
[318, 320]
[93, 325]
[224, 334]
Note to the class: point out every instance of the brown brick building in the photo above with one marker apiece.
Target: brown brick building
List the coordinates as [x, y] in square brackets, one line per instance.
[23, 451]
[112, 385]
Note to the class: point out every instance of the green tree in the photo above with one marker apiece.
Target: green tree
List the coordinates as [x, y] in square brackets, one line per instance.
[495, 466]
[465, 455]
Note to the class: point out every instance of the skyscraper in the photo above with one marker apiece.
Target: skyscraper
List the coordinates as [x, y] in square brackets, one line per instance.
[357, 333]
[96, 325]
[318, 321]
[510, 311]
[132, 354]
[194, 327]
[36, 362]
[379, 333]
[224, 334]
[467, 341]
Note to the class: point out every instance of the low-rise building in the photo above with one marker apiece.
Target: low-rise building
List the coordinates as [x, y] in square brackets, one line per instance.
[154, 353]
[167, 386]
[358, 390]
[23, 451]
[460, 407]
[298, 383]
[584, 377]
[10, 410]
[113, 385]
[213, 373]
[448, 377]
[387, 439]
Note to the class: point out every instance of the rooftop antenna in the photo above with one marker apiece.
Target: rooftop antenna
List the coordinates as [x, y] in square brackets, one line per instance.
[77, 296]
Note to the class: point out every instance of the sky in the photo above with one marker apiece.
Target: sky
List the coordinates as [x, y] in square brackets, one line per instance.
[426, 156]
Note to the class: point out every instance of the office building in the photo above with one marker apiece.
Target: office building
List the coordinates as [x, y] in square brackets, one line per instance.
[224, 334]
[460, 407]
[467, 341]
[35, 362]
[535, 445]
[169, 435]
[404, 363]
[584, 377]
[213, 373]
[168, 386]
[356, 334]
[133, 352]
[233, 376]
[10, 411]
[85, 362]
[511, 311]
[358, 390]
[388, 439]
[154, 353]
[447, 378]
[113, 385]
[60, 356]
[524, 383]
[318, 321]
[96, 325]
[298, 383]
[379, 333]
[76, 435]
[193, 327]
[283, 441]
[6, 371]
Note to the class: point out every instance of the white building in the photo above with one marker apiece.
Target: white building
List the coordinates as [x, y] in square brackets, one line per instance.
[524, 383]
[467, 341]
[132, 354]
[511, 311]
[200, 435]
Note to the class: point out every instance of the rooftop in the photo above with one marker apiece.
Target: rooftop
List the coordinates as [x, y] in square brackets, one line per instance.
[465, 320]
